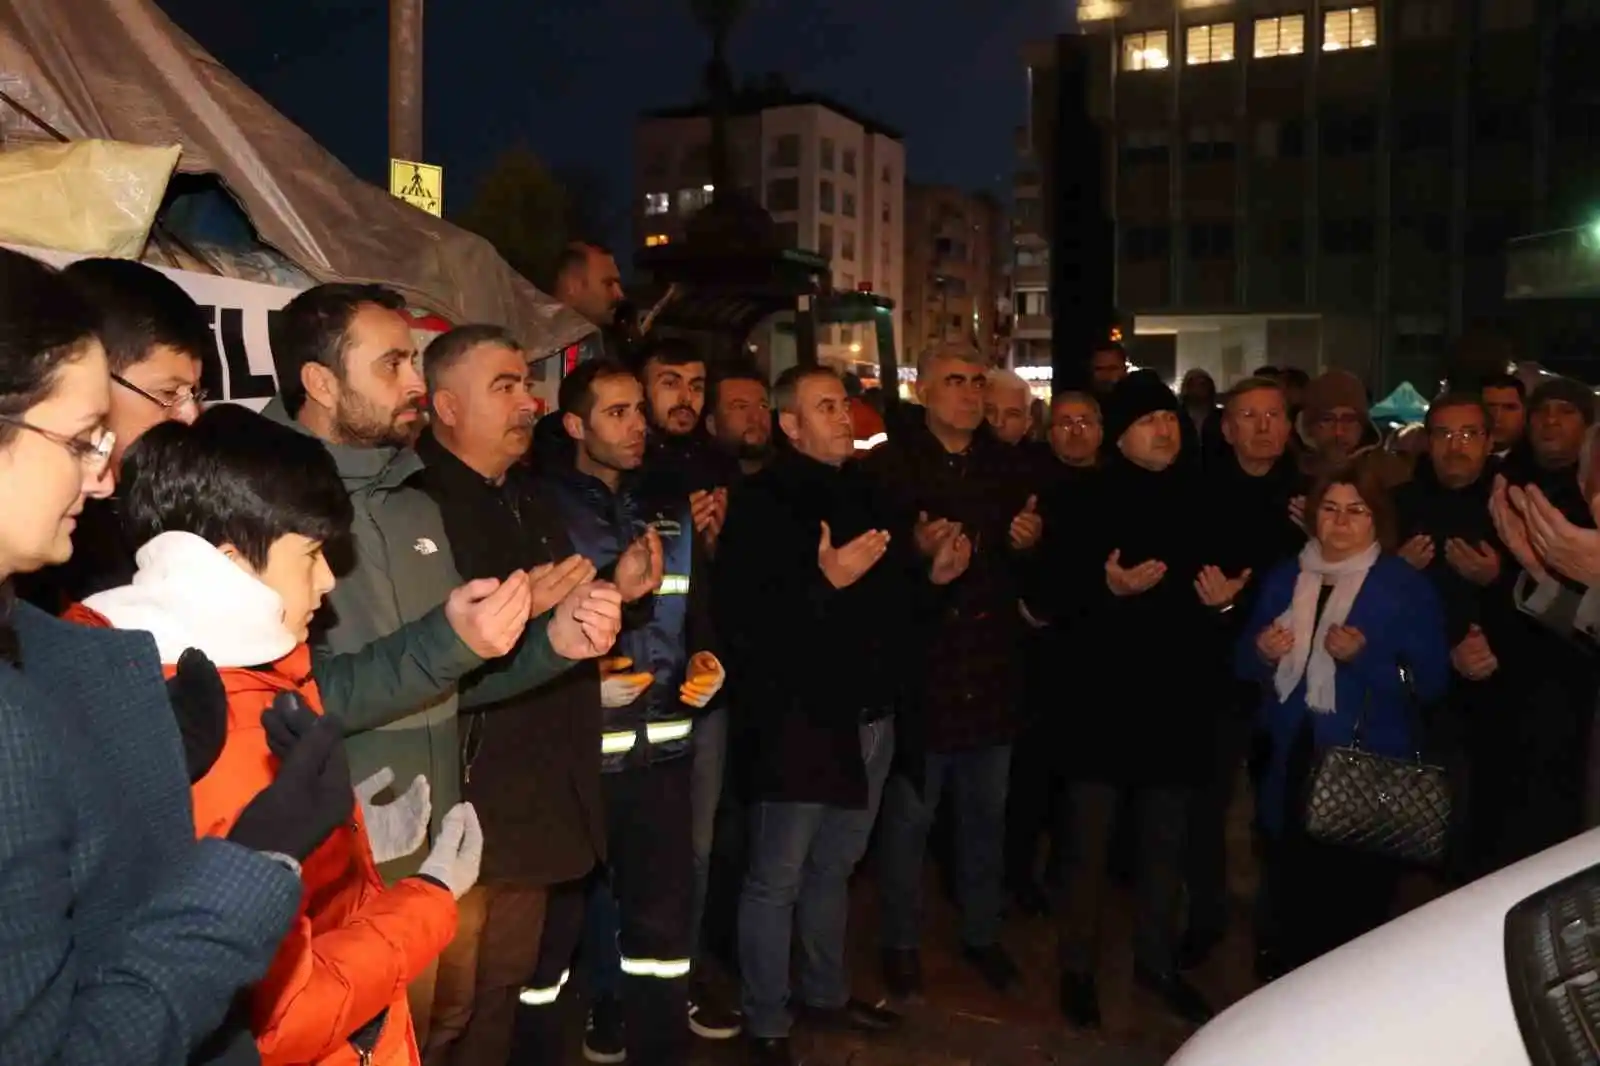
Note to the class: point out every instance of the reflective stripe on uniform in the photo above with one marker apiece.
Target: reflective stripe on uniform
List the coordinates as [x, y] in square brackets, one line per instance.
[620, 743]
[674, 585]
[665, 969]
[664, 732]
[543, 997]
[872, 442]
[616, 743]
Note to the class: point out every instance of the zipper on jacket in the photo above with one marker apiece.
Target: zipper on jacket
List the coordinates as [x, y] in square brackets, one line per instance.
[364, 1041]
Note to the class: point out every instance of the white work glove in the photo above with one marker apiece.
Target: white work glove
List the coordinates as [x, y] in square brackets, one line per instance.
[395, 829]
[702, 680]
[458, 852]
[618, 688]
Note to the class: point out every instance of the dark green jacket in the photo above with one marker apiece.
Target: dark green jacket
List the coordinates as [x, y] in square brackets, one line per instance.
[385, 658]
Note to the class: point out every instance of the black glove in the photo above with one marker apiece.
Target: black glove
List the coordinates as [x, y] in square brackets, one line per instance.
[311, 796]
[200, 705]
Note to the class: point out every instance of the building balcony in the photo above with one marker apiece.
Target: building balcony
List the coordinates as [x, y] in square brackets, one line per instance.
[1030, 277]
[1032, 327]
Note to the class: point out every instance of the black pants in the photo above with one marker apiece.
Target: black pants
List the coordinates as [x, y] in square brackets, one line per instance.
[1031, 805]
[1318, 897]
[650, 863]
[1206, 852]
[1159, 820]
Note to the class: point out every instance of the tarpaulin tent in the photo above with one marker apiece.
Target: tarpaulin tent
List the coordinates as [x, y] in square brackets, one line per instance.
[122, 70]
[1404, 404]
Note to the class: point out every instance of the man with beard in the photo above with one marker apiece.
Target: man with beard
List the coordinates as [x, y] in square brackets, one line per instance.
[950, 473]
[531, 762]
[1251, 483]
[606, 495]
[739, 419]
[1446, 532]
[1333, 426]
[1506, 398]
[406, 640]
[1158, 596]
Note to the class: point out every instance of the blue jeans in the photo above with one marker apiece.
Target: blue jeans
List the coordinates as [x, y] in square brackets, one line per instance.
[979, 778]
[801, 858]
[705, 792]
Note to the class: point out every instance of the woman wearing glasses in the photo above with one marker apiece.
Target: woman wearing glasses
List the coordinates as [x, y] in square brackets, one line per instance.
[1326, 640]
[123, 938]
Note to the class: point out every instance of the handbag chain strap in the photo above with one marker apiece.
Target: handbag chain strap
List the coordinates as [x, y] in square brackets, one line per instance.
[1413, 711]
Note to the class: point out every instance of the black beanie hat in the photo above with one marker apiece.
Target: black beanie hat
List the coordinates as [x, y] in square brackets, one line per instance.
[1135, 396]
[1576, 393]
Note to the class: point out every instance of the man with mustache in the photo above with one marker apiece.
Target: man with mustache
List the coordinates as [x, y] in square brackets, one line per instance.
[739, 418]
[405, 640]
[531, 762]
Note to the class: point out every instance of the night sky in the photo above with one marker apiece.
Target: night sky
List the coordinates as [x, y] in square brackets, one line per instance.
[567, 77]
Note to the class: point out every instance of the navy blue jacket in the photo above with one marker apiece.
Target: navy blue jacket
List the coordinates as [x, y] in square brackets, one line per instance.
[664, 630]
[122, 939]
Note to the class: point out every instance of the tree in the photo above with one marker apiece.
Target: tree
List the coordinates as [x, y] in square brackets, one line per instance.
[522, 209]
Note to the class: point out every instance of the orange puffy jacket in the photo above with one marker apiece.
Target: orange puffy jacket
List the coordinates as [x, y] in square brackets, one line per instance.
[356, 944]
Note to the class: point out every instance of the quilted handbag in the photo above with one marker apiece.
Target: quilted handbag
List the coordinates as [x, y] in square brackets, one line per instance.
[1398, 807]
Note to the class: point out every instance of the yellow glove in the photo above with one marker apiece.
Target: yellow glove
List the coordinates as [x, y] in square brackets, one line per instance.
[702, 680]
[618, 689]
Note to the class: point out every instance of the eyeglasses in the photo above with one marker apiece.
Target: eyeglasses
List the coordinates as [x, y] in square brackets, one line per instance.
[1355, 512]
[95, 455]
[1464, 435]
[181, 396]
[1077, 425]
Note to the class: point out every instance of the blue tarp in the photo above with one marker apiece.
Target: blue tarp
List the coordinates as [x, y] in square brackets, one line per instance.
[1404, 404]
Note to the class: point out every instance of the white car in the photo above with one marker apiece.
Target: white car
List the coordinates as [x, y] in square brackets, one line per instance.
[1501, 972]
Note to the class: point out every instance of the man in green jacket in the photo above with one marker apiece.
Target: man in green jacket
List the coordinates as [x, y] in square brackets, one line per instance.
[404, 636]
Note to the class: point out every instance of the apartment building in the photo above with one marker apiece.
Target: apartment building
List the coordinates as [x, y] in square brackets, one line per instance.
[1318, 184]
[955, 245]
[832, 179]
[1030, 240]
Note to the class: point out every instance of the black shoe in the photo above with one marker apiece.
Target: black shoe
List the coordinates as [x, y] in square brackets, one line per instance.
[902, 972]
[770, 1051]
[710, 1018]
[1079, 1000]
[602, 1037]
[856, 1016]
[1180, 997]
[1196, 949]
[1030, 899]
[994, 964]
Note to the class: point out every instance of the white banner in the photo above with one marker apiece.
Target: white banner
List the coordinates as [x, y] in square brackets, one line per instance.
[241, 314]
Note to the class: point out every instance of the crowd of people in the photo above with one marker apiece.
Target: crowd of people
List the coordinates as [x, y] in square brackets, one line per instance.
[342, 732]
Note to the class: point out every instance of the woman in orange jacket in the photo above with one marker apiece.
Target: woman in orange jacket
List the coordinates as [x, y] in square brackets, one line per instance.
[232, 514]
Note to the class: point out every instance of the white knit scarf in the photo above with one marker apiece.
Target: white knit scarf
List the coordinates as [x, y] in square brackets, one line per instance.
[1310, 658]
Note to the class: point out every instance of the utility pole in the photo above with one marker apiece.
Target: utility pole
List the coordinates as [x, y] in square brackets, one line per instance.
[405, 79]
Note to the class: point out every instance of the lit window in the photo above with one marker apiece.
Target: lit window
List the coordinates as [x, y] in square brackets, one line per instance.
[1145, 51]
[1209, 44]
[657, 203]
[1353, 27]
[1284, 35]
[656, 240]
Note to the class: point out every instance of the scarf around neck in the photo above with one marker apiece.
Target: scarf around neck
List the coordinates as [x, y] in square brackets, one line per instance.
[1310, 658]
